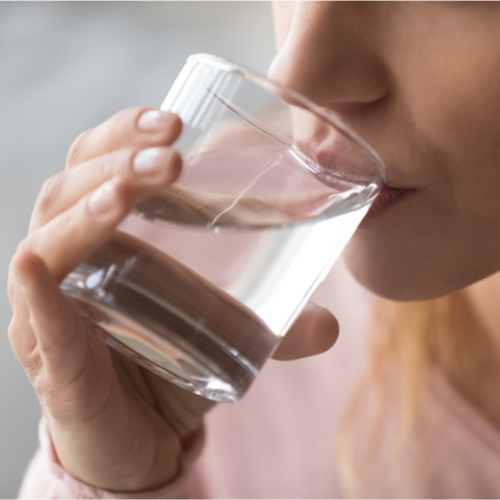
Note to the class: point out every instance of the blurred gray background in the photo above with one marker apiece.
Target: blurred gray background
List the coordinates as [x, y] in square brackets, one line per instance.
[64, 67]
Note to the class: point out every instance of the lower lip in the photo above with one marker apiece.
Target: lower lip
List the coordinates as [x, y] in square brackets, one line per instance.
[387, 198]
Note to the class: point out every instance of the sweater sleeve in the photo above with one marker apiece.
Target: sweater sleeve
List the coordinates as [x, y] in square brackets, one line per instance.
[46, 478]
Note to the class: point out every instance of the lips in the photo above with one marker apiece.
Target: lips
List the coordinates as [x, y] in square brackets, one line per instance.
[387, 198]
[350, 161]
[358, 168]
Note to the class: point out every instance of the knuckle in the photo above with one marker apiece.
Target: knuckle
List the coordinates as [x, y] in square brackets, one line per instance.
[24, 346]
[16, 338]
[124, 161]
[76, 149]
[127, 113]
[134, 113]
[103, 168]
[49, 191]
[40, 382]
[21, 246]
[11, 283]
[30, 244]
[119, 165]
[124, 121]
[25, 244]
[13, 330]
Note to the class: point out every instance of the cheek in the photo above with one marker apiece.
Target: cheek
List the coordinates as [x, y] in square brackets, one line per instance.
[454, 101]
[462, 121]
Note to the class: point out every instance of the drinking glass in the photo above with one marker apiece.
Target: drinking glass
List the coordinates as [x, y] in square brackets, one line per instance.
[204, 278]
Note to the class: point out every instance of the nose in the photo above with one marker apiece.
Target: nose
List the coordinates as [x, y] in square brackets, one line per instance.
[328, 52]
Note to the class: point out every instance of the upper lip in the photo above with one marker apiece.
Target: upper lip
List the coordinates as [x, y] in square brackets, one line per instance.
[391, 185]
[350, 159]
[359, 169]
[356, 169]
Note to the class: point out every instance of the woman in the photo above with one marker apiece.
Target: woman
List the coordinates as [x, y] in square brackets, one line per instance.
[419, 81]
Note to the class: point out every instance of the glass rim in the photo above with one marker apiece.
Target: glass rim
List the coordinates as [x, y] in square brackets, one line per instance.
[275, 87]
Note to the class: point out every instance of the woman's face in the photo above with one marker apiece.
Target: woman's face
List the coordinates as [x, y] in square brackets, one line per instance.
[420, 81]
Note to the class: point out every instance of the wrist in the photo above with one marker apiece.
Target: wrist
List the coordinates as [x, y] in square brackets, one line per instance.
[114, 465]
[69, 487]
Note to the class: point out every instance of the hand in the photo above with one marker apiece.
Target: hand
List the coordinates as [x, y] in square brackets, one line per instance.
[114, 425]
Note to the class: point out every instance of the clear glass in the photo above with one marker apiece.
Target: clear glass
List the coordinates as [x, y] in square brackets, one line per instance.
[203, 280]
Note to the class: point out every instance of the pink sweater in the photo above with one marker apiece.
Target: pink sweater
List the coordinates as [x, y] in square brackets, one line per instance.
[280, 440]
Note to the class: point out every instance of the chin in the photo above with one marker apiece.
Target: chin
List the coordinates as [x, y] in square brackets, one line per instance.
[404, 275]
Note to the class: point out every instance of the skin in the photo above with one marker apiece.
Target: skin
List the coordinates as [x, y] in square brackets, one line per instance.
[419, 81]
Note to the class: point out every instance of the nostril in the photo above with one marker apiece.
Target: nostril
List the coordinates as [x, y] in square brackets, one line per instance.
[352, 108]
[339, 87]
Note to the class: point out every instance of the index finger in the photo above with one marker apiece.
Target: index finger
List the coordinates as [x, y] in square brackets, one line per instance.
[133, 127]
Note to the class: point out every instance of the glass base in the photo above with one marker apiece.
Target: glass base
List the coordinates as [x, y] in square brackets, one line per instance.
[165, 354]
[169, 319]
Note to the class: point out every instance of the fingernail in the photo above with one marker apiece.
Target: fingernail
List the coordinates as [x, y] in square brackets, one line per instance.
[101, 200]
[151, 120]
[150, 161]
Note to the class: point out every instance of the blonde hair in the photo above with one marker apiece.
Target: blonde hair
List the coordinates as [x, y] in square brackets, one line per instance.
[407, 339]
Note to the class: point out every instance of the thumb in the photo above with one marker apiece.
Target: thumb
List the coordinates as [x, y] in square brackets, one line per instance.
[314, 332]
[60, 333]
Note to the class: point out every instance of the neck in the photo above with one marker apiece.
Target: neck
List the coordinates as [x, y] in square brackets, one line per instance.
[475, 369]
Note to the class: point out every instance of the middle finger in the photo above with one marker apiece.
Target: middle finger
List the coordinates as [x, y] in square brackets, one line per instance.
[157, 166]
